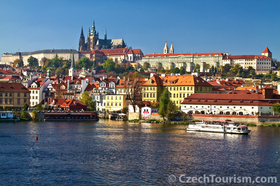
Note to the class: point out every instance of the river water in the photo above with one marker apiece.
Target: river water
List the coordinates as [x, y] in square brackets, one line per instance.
[117, 153]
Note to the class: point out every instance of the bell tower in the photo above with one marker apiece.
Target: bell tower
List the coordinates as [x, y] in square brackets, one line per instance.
[165, 49]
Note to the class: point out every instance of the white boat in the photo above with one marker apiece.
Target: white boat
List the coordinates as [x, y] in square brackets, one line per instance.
[220, 126]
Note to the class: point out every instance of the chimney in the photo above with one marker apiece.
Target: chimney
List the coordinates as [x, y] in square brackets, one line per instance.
[267, 92]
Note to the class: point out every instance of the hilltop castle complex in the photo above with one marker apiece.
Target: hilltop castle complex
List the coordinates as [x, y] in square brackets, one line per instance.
[95, 43]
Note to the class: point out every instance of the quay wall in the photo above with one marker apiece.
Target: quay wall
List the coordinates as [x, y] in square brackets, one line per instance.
[239, 119]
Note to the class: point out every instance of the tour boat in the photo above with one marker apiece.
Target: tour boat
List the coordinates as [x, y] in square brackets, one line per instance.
[220, 126]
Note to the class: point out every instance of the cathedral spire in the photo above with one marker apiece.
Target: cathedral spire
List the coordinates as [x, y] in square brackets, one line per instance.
[82, 45]
[93, 32]
[105, 35]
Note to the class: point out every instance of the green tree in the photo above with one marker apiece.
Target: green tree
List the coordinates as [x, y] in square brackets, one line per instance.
[163, 102]
[176, 70]
[24, 115]
[196, 68]
[171, 109]
[18, 62]
[86, 99]
[33, 62]
[207, 67]
[109, 65]
[34, 115]
[146, 66]
[276, 108]
[39, 106]
[182, 70]
[25, 106]
[59, 71]
[84, 62]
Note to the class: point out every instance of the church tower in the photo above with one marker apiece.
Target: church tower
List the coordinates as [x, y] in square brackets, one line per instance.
[72, 70]
[82, 45]
[267, 53]
[165, 49]
[171, 49]
[92, 39]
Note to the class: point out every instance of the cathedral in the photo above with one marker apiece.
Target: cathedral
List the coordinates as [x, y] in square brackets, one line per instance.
[95, 43]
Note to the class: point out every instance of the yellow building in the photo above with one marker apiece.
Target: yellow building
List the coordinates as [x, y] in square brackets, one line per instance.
[179, 87]
[115, 102]
[13, 94]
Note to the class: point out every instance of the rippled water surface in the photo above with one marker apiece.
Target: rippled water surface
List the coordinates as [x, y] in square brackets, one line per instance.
[117, 153]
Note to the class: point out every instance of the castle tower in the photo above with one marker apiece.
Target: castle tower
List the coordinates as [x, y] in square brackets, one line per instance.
[82, 45]
[267, 53]
[171, 49]
[93, 37]
[165, 49]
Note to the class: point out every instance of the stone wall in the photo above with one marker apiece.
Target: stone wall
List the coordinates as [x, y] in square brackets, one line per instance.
[133, 115]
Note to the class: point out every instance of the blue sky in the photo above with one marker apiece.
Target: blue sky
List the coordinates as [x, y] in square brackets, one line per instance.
[238, 27]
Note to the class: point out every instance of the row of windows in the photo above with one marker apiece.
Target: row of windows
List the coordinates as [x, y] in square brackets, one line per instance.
[217, 107]
[179, 88]
[261, 63]
[149, 95]
[10, 101]
[116, 104]
[179, 95]
[34, 91]
[149, 88]
[10, 94]
[112, 97]
[36, 97]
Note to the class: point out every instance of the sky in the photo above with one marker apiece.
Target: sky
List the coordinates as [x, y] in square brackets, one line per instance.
[239, 27]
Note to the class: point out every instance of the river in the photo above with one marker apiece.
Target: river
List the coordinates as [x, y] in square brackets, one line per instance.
[117, 153]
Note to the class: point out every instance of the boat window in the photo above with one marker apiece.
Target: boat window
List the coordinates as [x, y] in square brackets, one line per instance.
[228, 128]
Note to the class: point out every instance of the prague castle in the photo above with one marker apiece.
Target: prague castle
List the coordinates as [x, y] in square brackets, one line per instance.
[95, 43]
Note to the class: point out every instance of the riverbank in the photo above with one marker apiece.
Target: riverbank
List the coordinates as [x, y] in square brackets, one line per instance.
[187, 122]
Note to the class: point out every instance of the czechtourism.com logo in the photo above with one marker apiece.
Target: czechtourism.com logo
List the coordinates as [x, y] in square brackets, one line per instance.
[212, 178]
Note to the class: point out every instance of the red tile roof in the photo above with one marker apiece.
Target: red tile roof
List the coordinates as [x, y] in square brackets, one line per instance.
[236, 97]
[12, 87]
[266, 50]
[245, 57]
[183, 54]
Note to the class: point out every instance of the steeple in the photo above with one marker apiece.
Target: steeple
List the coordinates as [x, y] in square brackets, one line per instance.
[93, 31]
[73, 62]
[165, 49]
[82, 45]
[171, 49]
[105, 35]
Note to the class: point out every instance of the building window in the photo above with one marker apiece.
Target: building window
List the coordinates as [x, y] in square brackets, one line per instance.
[6, 94]
[6, 101]
[18, 94]
[24, 94]
[241, 107]
[18, 101]
[10, 94]
[252, 107]
[1, 101]
[1, 94]
[10, 101]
